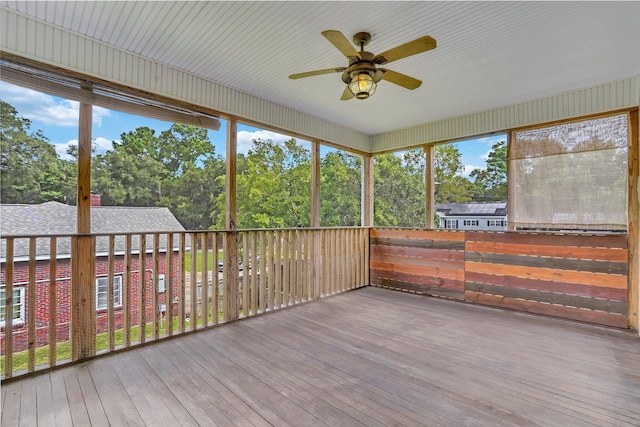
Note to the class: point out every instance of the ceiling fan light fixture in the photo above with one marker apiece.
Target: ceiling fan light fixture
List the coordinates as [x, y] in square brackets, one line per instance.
[362, 84]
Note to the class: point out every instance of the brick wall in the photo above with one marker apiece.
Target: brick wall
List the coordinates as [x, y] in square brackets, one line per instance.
[63, 297]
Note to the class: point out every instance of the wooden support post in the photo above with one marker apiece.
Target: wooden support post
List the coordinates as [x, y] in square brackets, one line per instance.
[316, 252]
[634, 222]
[367, 191]
[511, 183]
[429, 187]
[83, 322]
[230, 275]
[367, 206]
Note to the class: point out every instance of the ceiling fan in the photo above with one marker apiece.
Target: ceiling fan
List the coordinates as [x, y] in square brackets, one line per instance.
[362, 75]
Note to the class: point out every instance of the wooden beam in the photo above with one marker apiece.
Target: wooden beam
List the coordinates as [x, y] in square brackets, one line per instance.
[230, 269]
[511, 182]
[634, 222]
[315, 184]
[367, 191]
[316, 250]
[83, 325]
[429, 151]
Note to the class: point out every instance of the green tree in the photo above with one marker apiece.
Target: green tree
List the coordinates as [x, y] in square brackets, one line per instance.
[30, 169]
[177, 168]
[192, 198]
[491, 183]
[450, 185]
[273, 186]
[340, 188]
[399, 189]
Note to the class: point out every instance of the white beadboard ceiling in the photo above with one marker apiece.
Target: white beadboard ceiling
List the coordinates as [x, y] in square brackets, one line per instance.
[489, 54]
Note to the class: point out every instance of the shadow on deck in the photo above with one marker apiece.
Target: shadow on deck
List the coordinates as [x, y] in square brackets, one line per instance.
[367, 357]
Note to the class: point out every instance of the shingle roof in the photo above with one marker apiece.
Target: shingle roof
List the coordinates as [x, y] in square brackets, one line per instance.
[472, 209]
[53, 218]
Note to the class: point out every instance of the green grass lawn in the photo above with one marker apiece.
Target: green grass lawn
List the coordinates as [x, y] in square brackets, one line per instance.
[63, 349]
[210, 263]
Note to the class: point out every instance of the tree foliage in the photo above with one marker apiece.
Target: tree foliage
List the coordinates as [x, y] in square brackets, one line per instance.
[491, 183]
[273, 186]
[340, 189]
[30, 169]
[399, 189]
[178, 168]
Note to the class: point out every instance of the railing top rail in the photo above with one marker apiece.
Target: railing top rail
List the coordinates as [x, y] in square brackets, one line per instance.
[148, 232]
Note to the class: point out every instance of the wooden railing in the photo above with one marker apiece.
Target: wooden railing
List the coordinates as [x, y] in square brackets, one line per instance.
[150, 286]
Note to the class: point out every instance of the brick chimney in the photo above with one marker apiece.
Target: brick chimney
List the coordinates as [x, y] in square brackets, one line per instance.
[95, 200]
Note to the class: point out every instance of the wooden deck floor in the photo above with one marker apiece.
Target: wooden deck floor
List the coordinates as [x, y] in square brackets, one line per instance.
[368, 357]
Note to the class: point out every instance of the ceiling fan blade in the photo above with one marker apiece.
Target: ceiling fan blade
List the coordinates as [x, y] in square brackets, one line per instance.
[346, 95]
[401, 79]
[341, 43]
[420, 45]
[317, 72]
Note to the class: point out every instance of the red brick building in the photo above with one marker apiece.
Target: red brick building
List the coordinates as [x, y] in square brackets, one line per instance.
[56, 219]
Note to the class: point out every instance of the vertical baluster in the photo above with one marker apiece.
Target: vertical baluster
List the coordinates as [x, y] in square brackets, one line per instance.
[126, 293]
[110, 299]
[53, 302]
[215, 279]
[254, 272]
[181, 283]
[168, 280]
[204, 281]
[142, 286]
[262, 284]
[272, 271]
[286, 267]
[8, 311]
[246, 260]
[31, 305]
[155, 280]
[193, 315]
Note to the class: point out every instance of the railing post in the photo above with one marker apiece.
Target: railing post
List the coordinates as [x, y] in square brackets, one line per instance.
[429, 186]
[83, 322]
[230, 269]
[316, 251]
[633, 228]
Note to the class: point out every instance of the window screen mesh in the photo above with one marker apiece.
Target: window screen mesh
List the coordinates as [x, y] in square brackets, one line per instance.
[571, 176]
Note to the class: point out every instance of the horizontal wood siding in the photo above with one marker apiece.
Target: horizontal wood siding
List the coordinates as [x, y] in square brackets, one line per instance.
[580, 277]
[571, 276]
[420, 261]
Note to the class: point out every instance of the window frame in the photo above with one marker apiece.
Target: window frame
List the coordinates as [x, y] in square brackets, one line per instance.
[22, 305]
[117, 290]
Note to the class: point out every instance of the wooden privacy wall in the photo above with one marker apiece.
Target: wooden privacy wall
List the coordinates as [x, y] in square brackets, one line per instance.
[580, 277]
[422, 261]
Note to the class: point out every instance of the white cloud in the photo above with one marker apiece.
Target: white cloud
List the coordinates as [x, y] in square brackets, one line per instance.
[102, 146]
[61, 149]
[50, 110]
[468, 169]
[245, 138]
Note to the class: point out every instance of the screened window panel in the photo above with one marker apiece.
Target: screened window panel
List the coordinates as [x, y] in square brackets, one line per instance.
[571, 176]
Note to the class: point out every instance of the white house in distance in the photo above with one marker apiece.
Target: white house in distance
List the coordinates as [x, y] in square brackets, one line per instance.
[472, 216]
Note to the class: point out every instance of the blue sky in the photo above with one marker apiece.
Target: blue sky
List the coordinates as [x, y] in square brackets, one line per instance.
[57, 118]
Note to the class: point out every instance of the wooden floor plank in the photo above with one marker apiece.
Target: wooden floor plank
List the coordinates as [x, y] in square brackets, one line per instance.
[95, 409]
[46, 414]
[152, 399]
[77, 407]
[28, 416]
[113, 395]
[370, 357]
[11, 404]
[210, 393]
[61, 410]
